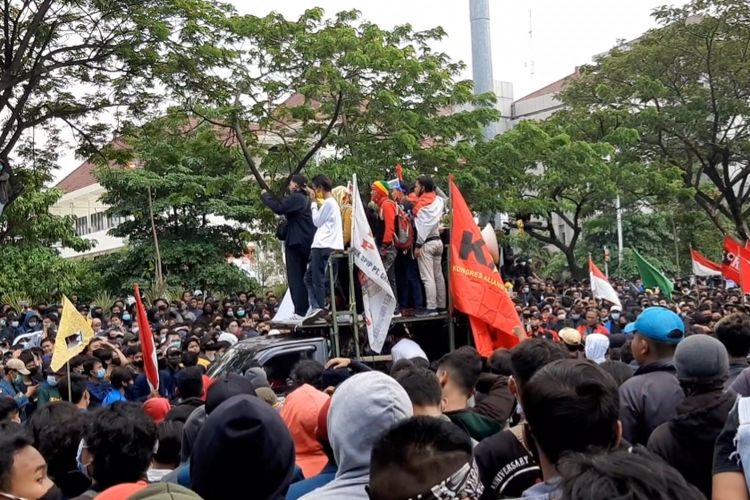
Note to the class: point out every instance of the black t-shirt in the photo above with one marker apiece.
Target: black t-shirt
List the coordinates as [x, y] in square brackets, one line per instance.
[506, 467]
[725, 457]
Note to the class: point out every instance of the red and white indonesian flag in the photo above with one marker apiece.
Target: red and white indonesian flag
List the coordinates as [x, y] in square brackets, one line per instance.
[377, 296]
[702, 266]
[600, 287]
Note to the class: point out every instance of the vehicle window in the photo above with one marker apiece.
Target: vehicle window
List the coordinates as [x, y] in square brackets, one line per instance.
[232, 361]
[279, 368]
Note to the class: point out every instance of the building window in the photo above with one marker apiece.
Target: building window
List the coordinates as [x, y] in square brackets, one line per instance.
[82, 226]
[97, 221]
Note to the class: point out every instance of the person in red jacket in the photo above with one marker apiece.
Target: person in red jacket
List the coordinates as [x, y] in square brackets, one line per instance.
[385, 235]
[592, 324]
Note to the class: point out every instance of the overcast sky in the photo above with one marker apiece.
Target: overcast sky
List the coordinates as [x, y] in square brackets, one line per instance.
[563, 34]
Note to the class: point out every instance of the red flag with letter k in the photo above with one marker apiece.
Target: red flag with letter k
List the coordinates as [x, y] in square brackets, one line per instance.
[476, 286]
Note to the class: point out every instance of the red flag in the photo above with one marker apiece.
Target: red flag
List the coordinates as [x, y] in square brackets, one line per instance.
[150, 364]
[730, 265]
[744, 270]
[476, 286]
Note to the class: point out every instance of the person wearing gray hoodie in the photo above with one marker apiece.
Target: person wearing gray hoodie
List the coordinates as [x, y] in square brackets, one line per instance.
[362, 408]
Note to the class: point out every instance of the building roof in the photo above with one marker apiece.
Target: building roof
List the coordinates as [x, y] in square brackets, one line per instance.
[552, 88]
[83, 176]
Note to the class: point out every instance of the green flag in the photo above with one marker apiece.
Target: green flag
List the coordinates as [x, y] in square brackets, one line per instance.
[652, 277]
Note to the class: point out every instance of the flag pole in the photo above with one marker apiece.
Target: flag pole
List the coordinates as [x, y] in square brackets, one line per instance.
[70, 390]
[451, 325]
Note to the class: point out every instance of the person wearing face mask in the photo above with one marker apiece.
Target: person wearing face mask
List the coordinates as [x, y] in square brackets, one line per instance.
[33, 323]
[117, 447]
[97, 386]
[613, 322]
[11, 384]
[48, 390]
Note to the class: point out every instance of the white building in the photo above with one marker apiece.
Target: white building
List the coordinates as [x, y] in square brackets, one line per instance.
[81, 199]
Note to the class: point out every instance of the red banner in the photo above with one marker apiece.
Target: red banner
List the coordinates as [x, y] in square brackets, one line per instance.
[476, 286]
[150, 363]
[730, 264]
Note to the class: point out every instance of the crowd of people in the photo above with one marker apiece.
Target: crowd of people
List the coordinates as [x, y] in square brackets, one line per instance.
[640, 401]
[646, 399]
[405, 221]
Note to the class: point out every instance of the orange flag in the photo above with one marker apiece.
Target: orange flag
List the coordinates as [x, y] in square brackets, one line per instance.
[476, 286]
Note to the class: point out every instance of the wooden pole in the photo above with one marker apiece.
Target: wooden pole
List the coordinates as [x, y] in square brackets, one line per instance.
[70, 389]
[159, 276]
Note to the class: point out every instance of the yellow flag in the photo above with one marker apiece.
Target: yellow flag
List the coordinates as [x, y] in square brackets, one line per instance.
[72, 336]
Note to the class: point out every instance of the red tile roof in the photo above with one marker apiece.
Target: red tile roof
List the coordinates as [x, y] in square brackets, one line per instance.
[552, 88]
[83, 176]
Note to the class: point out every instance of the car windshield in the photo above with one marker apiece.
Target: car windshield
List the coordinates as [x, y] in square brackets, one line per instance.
[232, 361]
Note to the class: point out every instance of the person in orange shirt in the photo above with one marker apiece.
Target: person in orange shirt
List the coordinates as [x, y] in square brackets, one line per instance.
[380, 194]
[300, 414]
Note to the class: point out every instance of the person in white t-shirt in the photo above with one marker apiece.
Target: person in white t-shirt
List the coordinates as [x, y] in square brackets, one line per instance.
[404, 347]
[329, 236]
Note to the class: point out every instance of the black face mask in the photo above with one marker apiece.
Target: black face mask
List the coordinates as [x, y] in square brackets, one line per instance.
[138, 364]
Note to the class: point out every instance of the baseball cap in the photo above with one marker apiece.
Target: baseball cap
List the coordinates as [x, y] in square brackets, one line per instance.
[659, 324]
[17, 365]
[570, 336]
[701, 359]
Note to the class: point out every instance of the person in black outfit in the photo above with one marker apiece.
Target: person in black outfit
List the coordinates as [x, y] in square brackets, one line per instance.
[297, 234]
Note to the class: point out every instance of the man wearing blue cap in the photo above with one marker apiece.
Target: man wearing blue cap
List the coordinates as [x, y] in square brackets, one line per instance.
[650, 397]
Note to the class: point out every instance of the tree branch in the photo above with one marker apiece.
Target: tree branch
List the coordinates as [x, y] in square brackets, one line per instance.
[321, 140]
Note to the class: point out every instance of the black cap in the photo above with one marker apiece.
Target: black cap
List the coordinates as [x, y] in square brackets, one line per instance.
[225, 387]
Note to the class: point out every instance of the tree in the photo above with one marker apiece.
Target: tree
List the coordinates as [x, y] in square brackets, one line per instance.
[684, 87]
[65, 62]
[30, 264]
[342, 93]
[194, 178]
[550, 176]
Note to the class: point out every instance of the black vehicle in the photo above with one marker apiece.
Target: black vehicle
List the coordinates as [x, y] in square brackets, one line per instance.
[277, 354]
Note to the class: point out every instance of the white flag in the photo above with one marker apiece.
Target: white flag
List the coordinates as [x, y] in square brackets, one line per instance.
[600, 287]
[377, 295]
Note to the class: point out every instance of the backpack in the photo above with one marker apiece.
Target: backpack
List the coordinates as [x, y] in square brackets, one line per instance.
[404, 229]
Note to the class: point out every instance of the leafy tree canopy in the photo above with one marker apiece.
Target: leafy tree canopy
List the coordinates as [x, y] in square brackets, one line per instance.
[339, 92]
[684, 87]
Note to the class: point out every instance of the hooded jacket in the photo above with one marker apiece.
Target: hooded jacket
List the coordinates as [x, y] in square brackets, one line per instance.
[687, 441]
[362, 408]
[648, 399]
[245, 447]
[300, 414]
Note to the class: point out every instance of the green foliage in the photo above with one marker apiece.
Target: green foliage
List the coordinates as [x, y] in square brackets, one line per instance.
[367, 97]
[684, 87]
[556, 174]
[199, 203]
[69, 63]
[30, 265]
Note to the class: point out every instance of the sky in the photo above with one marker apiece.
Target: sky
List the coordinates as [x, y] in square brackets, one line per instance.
[534, 42]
